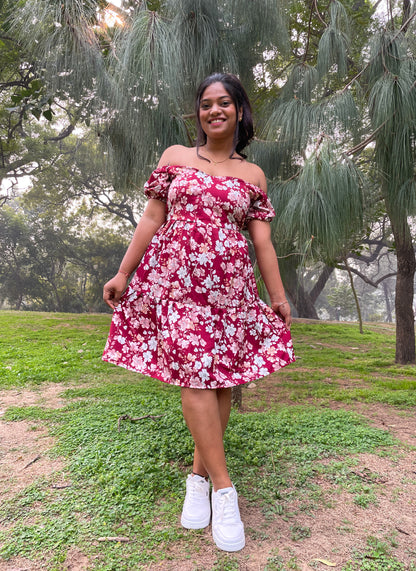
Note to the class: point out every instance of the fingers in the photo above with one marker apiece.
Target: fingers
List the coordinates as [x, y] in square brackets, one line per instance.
[111, 297]
[284, 312]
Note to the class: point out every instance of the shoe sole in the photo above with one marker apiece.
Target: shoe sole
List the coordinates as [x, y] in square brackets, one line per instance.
[188, 524]
[236, 546]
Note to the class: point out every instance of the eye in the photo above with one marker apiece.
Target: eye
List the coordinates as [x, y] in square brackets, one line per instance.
[204, 106]
[226, 103]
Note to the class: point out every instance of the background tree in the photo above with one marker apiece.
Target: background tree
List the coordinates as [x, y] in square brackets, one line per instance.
[320, 99]
[324, 108]
[55, 264]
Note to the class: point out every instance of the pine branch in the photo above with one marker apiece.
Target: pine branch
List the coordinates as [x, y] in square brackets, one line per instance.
[309, 33]
[361, 146]
[366, 279]
[319, 15]
[402, 29]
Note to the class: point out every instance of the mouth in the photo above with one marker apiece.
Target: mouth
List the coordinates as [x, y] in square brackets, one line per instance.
[216, 121]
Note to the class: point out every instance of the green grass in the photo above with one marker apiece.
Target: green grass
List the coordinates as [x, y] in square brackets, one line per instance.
[337, 363]
[50, 347]
[130, 482]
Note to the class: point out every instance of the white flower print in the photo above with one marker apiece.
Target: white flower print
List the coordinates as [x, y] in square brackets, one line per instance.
[191, 316]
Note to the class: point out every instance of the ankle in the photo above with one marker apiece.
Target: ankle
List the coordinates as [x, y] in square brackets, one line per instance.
[200, 475]
[221, 484]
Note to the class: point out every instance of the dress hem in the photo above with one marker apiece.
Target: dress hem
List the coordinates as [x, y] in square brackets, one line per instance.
[160, 377]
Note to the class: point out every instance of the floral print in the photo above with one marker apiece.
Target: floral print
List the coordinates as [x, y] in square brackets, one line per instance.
[191, 315]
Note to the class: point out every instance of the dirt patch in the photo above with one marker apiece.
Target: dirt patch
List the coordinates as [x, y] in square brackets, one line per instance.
[47, 396]
[330, 533]
[321, 537]
[75, 560]
[23, 456]
[18, 564]
[24, 444]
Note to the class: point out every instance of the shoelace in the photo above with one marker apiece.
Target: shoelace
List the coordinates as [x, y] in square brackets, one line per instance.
[225, 511]
[197, 489]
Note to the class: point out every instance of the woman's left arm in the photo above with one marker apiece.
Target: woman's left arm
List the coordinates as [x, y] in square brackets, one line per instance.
[260, 234]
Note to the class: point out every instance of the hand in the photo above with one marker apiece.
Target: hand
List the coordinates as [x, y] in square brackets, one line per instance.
[284, 311]
[113, 290]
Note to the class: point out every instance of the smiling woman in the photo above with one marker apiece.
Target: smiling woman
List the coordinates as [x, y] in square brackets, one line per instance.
[191, 315]
[218, 114]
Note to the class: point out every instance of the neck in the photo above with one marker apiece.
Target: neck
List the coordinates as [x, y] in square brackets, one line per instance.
[218, 149]
[217, 153]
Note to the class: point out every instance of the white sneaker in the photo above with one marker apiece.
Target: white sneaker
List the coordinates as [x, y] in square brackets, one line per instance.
[227, 527]
[196, 511]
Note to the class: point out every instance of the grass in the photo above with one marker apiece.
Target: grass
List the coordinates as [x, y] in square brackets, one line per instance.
[336, 363]
[129, 482]
[50, 347]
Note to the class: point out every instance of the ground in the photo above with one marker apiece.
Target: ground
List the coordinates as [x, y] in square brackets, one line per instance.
[329, 533]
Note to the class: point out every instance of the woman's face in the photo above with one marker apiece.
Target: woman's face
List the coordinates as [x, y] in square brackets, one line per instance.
[217, 112]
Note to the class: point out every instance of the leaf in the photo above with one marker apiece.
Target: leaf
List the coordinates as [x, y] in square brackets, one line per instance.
[48, 114]
[36, 112]
[36, 84]
[326, 562]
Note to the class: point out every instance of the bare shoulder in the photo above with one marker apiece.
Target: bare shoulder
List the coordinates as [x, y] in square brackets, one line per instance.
[254, 174]
[175, 155]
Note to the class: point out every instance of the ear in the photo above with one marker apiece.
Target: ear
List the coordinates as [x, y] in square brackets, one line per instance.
[240, 115]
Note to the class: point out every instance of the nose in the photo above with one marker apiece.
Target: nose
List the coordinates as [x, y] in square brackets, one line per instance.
[215, 109]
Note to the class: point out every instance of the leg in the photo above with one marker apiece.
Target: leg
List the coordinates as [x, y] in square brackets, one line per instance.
[224, 404]
[206, 413]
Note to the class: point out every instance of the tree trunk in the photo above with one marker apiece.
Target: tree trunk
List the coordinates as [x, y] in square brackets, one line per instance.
[406, 266]
[300, 298]
[236, 397]
[354, 292]
[388, 306]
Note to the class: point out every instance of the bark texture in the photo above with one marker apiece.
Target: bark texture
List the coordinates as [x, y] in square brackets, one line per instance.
[405, 323]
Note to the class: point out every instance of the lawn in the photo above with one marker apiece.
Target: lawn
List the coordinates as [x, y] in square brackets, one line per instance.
[322, 453]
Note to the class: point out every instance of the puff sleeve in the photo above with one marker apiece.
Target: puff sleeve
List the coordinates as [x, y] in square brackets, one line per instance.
[260, 206]
[158, 184]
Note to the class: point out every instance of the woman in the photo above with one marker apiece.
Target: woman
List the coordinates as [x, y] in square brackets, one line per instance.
[191, 315]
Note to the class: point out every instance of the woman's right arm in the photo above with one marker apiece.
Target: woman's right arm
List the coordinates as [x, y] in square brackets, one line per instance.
[153, 217]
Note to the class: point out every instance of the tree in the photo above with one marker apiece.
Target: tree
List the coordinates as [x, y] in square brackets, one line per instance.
[320, 105]
[30, 115]
[326, 106]
[55, 264]
[77, 177]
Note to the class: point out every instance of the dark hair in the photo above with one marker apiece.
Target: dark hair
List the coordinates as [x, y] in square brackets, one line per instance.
[244, 130]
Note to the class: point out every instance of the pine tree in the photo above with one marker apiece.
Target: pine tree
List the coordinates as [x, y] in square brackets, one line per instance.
[320, 104]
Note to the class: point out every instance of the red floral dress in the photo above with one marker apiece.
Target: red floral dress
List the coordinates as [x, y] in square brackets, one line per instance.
[191, 315]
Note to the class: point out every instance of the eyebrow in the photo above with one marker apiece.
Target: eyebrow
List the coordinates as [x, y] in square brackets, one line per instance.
[221, 97]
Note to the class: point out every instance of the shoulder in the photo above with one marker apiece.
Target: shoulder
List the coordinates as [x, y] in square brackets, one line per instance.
[255, 175]
[175, 155]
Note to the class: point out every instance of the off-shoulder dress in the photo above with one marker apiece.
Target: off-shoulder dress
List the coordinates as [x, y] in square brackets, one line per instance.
[191, 315]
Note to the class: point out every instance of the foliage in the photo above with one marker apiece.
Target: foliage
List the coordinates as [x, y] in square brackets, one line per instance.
[26, 105]
[327, 81]
[123, 481]
[341, 301]
[49, 266]
[377, 558]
